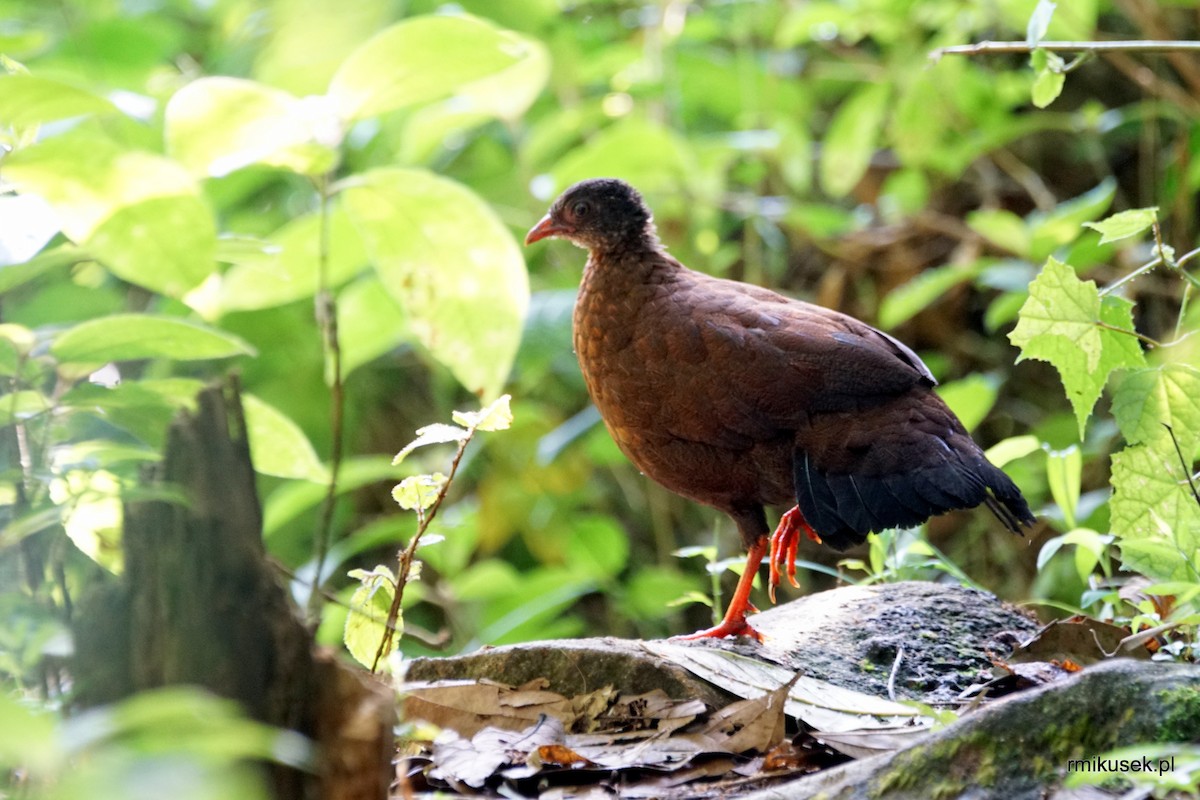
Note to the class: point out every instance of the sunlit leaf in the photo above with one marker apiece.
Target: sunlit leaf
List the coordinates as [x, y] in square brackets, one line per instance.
[1125, 224]
[421, 59]
[1039, 22]
[453, 266]
[852, 137]
[418, 491]
[139, 213]
[437, 433]
[1059, 324]
[27, 100]
[1002, 227]
[496, 416]
[217, 125]
[287, 266]
[1060, 226]
[366, 622]
[1154, 515]
[645, 153]
[127, 337]
[1148, 399]
[370, 323]
[277, 445]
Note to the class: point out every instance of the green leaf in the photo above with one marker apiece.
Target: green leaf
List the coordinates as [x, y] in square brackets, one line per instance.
[852, 137]
[1064, 469]
[1147, 399]
[419, 60]
[1048, 84]
[496, 416]
[137, 212]
[366, 622]
[1154, 515]
[128, 337]
[215, 126]
[451, 264]
[971, 398]
[1125, 224]
[286, 269]
[904, 302]
[28, 100]
[597, 547]
[437, 433]
[1012, 448]
[1061, 225]
[418, 491]
[1003, 228]
[1039, 22]
[166, 244]
[22, 405]
[28, 737]
[277, 444]
[370, 323]
[643, 152]
[1058, 324]
[14, 275]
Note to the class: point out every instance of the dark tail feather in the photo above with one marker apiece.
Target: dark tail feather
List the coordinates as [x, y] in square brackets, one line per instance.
[844, 508]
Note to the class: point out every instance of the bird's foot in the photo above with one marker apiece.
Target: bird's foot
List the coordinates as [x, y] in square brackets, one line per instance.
[784, 542]
[725, 628]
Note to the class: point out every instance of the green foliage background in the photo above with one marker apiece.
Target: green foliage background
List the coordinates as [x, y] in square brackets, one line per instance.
[192, 188]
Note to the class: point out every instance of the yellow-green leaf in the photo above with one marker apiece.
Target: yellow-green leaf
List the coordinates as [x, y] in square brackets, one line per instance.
[129, 337]
[366, 620]
[495, 417]
[418, 491]
[1125, 224]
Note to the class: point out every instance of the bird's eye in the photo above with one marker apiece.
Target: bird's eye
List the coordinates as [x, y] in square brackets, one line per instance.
[581, 208]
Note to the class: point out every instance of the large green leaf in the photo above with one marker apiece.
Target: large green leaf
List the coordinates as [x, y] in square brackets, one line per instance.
[278, 445]
[1148, 399]
[645, 153]
[370, 323]
[286, 267]
[128, 337]
[421, 59]
[1154, 515]
[852, 137]
[140, 213]
[27, 100]
[453, 266]
[1065, 323]
[217, 125]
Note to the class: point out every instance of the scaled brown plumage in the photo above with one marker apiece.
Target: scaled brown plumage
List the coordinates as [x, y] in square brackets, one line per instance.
[740, 398]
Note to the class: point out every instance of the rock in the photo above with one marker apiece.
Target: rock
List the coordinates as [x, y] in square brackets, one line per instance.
[1018, 748]
[848, 636]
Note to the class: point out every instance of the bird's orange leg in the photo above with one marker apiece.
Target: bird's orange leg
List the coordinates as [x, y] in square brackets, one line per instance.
[734, 623]
[784, 543]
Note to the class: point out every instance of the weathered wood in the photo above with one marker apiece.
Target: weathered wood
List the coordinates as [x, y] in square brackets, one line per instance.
[200, 604]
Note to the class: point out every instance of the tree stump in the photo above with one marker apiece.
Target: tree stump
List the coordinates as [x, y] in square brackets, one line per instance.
[199, 604]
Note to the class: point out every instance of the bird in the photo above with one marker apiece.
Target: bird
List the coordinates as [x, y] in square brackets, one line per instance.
[739, 398]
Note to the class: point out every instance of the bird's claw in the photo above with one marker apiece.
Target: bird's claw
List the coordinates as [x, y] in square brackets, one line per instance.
[784, 543]
[725, 628]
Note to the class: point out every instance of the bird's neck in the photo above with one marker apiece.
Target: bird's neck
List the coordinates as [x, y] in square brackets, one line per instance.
[629, 264]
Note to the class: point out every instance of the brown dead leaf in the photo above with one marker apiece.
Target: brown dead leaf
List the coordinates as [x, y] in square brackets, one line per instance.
[560, 756]
[751, 725]
[472, 761]
[467, 707]
[1081, 640]
[862, 744]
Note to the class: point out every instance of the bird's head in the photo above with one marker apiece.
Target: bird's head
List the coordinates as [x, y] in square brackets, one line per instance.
[598, 214]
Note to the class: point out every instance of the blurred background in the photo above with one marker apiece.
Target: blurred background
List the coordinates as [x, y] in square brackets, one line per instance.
[812, 147]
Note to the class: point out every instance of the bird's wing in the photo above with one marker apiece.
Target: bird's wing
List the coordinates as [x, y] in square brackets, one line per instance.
[757, 365]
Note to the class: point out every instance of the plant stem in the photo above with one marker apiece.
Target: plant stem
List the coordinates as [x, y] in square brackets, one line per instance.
[326, 314]
[406, 555]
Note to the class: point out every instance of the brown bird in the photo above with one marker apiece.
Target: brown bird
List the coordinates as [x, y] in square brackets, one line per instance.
[740, 398]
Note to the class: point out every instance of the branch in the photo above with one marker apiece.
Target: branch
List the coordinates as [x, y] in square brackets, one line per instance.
[1134, 46]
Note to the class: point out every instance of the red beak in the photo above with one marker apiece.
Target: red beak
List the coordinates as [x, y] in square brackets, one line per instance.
[545, 228]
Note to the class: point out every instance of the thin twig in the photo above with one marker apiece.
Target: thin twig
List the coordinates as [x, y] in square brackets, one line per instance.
[326, 313]
[1133, 46]
[891, 684]
[406, 555]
